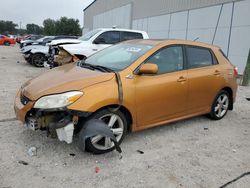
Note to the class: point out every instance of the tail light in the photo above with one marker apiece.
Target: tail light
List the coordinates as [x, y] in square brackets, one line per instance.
[235, 71]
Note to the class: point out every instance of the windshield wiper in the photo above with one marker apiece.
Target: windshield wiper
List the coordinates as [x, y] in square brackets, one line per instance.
[93, 67]
[105, 69]
[84, 65]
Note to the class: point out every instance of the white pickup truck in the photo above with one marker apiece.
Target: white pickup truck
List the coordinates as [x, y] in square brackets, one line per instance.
[89, 44]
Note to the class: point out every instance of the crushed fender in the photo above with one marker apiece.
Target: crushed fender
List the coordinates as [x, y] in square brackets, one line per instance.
[95, 127]
[64, 57]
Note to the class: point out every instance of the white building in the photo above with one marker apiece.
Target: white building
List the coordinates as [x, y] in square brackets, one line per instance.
[225, 23]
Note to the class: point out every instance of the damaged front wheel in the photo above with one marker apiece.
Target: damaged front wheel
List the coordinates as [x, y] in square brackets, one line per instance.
[117, 122]
[38, 60]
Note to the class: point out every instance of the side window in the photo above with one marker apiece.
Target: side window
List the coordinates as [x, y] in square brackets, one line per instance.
[199, 57]
[130, 36]
[169, 59]
[1, 37]
[109, 37]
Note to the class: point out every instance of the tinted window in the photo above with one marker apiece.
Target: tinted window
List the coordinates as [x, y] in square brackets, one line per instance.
[130, 36]
[199, 57]
[168, 59]
[109, 37]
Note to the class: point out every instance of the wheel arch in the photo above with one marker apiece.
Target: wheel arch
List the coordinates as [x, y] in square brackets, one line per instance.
[230, 92]
[124, 110]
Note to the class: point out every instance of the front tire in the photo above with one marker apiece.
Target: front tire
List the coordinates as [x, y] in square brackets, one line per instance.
[38, 60]
[220, 105]
[117, 123]
[7, 43]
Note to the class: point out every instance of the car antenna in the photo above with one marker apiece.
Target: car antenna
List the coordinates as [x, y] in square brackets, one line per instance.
[196, 38]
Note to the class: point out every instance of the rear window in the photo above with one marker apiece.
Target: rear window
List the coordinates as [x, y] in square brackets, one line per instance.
[130, 36]
[199, 57]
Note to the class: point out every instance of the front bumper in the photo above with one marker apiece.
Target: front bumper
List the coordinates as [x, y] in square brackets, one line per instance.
[26, 56]
[61, 122]
[22, 109]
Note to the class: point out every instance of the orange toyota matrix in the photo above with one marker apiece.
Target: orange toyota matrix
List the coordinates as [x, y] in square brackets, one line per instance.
[131, 86]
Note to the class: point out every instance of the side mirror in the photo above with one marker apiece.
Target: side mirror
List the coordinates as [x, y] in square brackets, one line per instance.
[148, 68]
[99, 41]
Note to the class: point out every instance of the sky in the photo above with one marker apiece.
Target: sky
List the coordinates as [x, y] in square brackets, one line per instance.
[35, 11]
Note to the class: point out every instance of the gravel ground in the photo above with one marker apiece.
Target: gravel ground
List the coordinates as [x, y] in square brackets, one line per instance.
[193, 153]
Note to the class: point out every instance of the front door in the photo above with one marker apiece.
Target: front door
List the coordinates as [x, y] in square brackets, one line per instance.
[105, 40]
[162, 96]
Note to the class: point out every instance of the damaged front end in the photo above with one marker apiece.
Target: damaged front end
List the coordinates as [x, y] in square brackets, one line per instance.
[50, 113]
[58, 123]
[63, 57]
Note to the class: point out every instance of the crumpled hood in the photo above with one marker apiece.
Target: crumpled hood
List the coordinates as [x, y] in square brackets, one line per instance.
[34, 47]
[83, 48]
[63, 41]
[62, 79]
[40, 49]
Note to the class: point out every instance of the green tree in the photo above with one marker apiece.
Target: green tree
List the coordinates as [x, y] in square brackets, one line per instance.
[34, 29]
[63, 26]
[68, 26]
[7, 27]
[49, 27]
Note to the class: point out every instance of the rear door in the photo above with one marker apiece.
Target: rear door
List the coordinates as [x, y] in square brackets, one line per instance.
[205, 78]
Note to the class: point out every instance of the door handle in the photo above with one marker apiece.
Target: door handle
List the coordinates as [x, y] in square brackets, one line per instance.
[181, 79]
[95, 49]
[216, 73]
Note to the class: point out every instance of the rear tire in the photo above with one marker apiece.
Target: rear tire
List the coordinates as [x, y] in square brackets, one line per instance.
[220, 105]
[38, 60]
[118, 124]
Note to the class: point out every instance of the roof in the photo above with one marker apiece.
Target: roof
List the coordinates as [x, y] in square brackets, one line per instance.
[155, 42]
[89, 5]
[121, 29]
[144, 42]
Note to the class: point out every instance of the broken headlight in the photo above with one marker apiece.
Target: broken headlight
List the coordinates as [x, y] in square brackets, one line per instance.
[58, 100]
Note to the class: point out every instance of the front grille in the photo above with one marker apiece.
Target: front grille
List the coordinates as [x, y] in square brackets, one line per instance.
[24, 100]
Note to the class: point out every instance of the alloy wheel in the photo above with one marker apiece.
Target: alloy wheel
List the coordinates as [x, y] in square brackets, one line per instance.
[221, 105]
[38, 60]
[115, 123]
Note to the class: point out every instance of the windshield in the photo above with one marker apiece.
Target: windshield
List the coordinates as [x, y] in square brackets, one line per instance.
[118, 57]
[88, 35]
